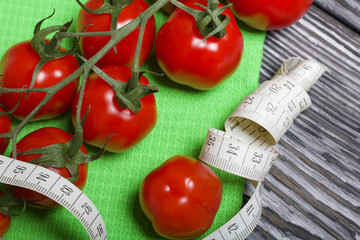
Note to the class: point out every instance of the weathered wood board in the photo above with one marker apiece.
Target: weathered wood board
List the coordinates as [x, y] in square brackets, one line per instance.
[313, 189]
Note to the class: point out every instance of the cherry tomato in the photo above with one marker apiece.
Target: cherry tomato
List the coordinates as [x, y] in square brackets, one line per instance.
[106, 117]
[44, 137]
[186, 59]
[126, 47]
[18, 65]
[269, 15]
[5, 127]
[5, 222]
[181, 197]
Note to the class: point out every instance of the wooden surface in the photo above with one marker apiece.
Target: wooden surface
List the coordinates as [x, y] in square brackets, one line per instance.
[313, 189]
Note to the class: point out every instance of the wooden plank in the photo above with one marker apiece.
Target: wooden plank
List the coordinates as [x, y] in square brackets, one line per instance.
[313, 189]
[346, 11]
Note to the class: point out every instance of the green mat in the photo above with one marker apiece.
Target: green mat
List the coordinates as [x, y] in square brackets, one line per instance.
[184, 115]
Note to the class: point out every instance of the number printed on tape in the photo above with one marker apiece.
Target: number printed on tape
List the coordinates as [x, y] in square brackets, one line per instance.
[59, 189]
[247, 147]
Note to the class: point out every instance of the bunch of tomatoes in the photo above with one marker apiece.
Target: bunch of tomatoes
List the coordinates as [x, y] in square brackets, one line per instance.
[192, 48]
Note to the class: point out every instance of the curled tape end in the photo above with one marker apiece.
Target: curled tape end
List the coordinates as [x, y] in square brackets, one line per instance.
[247, 148]
[303, 72]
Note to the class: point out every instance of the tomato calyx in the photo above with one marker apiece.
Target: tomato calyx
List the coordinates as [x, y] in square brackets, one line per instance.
[114, 7]
[8, 201]
[131, 99]
[128, 94]
[68, 155]
[62, 159]
[210, 21]
[49, 50]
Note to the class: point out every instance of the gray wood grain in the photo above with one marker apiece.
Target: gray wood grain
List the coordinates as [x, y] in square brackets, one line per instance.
[346, 11]
[313, 189]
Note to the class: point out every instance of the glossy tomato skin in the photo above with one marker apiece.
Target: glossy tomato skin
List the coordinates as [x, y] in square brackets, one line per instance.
[106, 117]
[270, 15]
[5, 222]
[5, 127]
[181, 197]
[186, 59]
[44, 137]
[18, 65]
[125, 48]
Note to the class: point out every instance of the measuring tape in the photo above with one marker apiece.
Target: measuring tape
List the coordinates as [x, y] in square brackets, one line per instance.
[59, 189]
[247, 146]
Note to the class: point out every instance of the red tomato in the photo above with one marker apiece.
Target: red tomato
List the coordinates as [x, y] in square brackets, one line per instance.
[5, 222]
[44, 137]
[18, 65]
[126, 47]
[181, 197]
[269, 15]
[186, 59]
[5, 127]
[106, 117]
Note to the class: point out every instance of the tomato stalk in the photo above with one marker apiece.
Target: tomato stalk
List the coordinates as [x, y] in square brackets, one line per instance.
[48, 51]
[114, 7]
[8, 201]
[210, 21]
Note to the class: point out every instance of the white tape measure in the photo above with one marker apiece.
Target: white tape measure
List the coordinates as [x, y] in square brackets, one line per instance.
[247, 148]
[52, 185]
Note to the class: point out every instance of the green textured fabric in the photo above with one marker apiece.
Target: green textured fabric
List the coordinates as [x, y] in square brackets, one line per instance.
[184, 116]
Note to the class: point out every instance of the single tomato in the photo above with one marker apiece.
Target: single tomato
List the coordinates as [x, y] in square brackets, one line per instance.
[5, 127]
[187, 59]
[107, 117]
[17, 66]
[45, 137]
[126, 47]
[181, 197]
[269, 15]
[5, 222]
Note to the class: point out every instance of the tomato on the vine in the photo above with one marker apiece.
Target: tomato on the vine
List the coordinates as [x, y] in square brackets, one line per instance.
[270, 15]
[181, 197]
[125, 49]
[17, 66]
[5, 127]
[187, 59]
[106, 117]
[41, 138]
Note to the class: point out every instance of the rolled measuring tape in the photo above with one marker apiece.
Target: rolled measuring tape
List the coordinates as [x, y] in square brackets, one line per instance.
[59, 189]
[247, 146]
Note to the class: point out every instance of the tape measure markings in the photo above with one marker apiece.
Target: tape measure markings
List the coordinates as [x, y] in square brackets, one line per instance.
[229, 154]
[247, 148]
[249, 215]
[59, 189]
